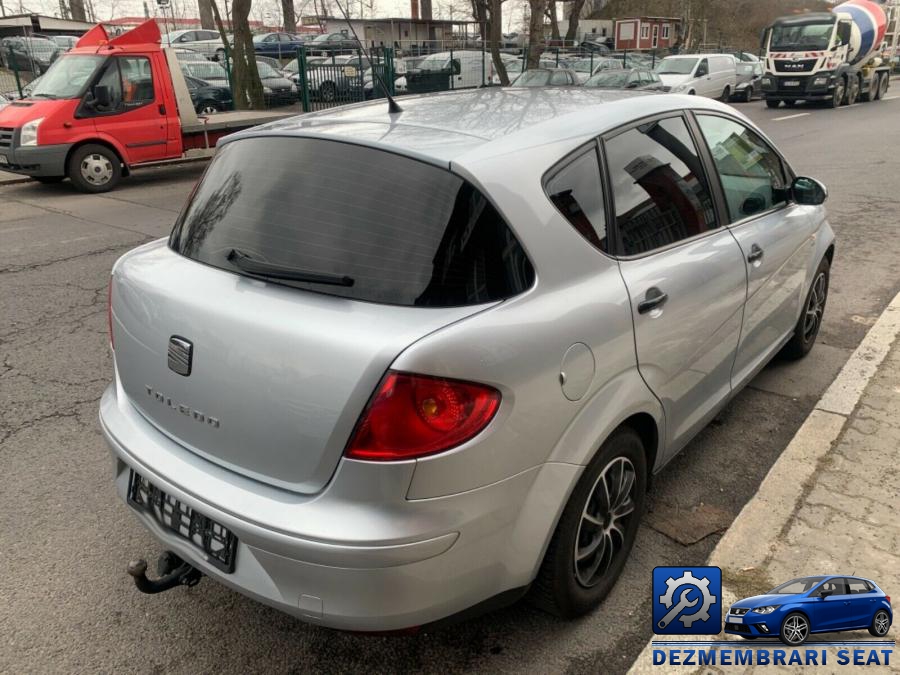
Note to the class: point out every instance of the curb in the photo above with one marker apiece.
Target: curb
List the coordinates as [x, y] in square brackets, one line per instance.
[749, 540]
[166, 162]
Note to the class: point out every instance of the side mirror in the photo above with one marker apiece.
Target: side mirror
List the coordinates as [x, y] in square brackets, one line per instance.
[808, 191]
[101, 96]
[825, 594]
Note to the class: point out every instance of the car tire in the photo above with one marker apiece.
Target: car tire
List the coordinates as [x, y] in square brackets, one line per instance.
[49, 180]
[692, 93]
[852, 91]
[881, 624]
[726, 94]
[883, 84]
[220, 55]
[772, 103]
[810, 321]
[794, 629]
[207, 108]
[789, 103]
[327, 92]
[94, 168]
[569, 584]
[748, 94]
[837, 96]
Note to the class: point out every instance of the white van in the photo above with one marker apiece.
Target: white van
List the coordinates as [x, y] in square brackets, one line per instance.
[711, 75]
[466, 68]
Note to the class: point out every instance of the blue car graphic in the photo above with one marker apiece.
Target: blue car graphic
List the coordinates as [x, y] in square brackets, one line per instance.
[821, 604]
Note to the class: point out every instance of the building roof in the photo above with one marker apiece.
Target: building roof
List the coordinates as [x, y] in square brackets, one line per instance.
[402, 19]
[40, 22]
[474, 124]
[649, 18]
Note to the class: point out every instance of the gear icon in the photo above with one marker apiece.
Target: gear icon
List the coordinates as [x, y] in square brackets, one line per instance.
[702, 585]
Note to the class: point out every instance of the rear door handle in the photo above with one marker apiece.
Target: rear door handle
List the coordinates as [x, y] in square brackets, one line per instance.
[653, 298]
[756, 253]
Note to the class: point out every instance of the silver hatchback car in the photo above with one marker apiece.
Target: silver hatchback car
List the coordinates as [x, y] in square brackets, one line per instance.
[391, 367]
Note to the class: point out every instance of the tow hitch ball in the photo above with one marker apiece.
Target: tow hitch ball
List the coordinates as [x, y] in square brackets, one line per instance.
[172, 570]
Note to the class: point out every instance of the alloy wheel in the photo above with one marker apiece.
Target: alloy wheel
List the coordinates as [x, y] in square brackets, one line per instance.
[209, 110]
[795, 629]
[96, 169]
[815, 307]
[882, 622]
[604, 521]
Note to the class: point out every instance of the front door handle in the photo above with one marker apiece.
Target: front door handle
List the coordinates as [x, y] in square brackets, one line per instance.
[653, 298]
[162, 109]
[756, 254]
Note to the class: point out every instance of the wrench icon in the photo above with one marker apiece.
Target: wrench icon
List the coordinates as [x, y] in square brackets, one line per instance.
[680, 605]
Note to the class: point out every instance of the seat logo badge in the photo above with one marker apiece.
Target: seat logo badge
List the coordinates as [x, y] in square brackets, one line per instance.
[181, 355]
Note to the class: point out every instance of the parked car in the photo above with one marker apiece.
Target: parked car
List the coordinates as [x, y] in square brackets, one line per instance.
[545, 77]
[185, 54]
[65, 42]
[712, 75]
[585, 68]
[514, 65]
[425, 366]
[596, 44]
[3, 101]
[633, 78]
[747, 82]
[278, 89]
[209, 99]
[454, 70]
[207, 71]
[28, 54]
[332, 43]
[207, 42]
[821, 604]
[278, 45]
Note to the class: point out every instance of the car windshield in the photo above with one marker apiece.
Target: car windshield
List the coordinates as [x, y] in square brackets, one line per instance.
[40, 45]
[266, 71]
[68, 76]
[322, 38]
[205, 71]
[676, 66]
[585, 65]
[533, 78]
[810, 36]
[435, 63]
[607, 80]
[795, 586]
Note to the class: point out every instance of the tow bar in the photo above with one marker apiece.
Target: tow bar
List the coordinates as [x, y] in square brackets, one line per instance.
[172, 570]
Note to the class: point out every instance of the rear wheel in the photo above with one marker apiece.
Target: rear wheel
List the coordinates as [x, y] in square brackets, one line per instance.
[789, 103]
[748, 94]
[881, 622]
[772, 103]
[807, 328]
[328, 92]
[207, 108]
[220, 55]
[883, 83]
[852, 91]
[94, 168]
[596, 531]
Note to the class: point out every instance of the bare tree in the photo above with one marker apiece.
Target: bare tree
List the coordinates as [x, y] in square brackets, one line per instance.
[536, 40]
[245, 83]
[290, 18]
[574, 15]
[207, 20]
[554, 21]
[77, 7]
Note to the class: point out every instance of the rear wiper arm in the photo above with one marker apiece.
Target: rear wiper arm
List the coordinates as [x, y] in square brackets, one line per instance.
[273, 271]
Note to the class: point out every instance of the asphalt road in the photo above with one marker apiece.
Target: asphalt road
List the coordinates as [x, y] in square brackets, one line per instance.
[65, 539]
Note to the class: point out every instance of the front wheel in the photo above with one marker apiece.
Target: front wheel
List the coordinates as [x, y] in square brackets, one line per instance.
[207, 108]
[772, 103]
[94, 168]
[748, 94]
[881, 622]
[596, 531]
[794, 630]
[726, 94]
[807, 328]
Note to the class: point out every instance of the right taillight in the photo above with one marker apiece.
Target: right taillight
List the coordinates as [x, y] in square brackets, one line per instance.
[112, 342]
[412, 416]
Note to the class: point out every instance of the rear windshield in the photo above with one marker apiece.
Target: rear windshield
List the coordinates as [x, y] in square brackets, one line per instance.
[405, 232]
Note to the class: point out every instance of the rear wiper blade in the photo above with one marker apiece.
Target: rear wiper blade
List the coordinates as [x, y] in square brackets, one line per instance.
[273, 271]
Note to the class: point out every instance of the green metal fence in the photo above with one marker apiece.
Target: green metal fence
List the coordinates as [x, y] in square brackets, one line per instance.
[339, 79]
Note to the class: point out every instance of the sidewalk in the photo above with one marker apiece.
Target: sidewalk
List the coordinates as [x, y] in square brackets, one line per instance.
[830, 504]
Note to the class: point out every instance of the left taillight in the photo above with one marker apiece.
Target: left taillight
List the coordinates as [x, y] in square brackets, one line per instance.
[411, 416]
[112, 342]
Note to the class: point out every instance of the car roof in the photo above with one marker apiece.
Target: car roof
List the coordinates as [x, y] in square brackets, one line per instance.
[478, 124]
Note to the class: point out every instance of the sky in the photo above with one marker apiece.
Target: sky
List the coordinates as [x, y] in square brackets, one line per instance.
[269, 11]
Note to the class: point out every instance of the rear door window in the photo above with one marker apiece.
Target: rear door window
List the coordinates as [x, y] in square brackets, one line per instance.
[405, 232]
[659, 186]
[576, 191]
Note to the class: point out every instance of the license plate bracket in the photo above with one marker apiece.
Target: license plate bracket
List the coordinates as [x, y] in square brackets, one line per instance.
[216, 542]
[792, 83]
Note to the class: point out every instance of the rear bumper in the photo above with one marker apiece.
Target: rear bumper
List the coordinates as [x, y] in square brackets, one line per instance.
[358, 555]
[39, 160]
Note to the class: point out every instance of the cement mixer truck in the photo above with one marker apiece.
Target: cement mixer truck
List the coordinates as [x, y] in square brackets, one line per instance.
[832, 57]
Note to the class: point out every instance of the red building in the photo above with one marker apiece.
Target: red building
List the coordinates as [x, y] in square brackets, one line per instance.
[647, 32]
